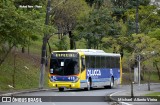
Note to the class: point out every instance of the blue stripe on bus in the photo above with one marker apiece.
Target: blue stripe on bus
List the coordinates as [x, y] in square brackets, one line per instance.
[97, 73]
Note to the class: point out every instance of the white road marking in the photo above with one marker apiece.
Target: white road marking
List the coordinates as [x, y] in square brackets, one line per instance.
[122, 103]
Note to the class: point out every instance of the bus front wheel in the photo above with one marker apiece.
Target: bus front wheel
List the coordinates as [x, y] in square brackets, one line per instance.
[88, 85]
[111, 83]
[61, 89]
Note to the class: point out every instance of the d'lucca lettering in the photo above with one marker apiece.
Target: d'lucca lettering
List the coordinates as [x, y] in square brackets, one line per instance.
[93, 73]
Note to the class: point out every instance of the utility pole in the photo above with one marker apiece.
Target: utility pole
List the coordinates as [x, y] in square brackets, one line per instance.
[137, 25]
[43, 53]
[139, 69]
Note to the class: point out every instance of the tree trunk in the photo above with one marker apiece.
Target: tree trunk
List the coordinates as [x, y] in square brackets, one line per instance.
[142, 78]
[158, 71]
[149, 77]
[88, 45]
[71, 40]
[75, 45]
[131, 80]
[14, 69]
[5, 55]
[28, 50]
[29, 46]
[23, 50]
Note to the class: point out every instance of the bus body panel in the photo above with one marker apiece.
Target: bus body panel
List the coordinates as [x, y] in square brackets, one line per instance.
[99, 76]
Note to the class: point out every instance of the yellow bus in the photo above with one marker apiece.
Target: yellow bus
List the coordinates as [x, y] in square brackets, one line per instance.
[84, 68]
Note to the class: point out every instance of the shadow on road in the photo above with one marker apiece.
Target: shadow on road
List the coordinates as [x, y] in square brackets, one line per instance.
[80, 90]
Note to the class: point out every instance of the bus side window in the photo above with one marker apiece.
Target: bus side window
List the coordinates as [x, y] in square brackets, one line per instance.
[108, 62]
[87, 60]
[82, 63]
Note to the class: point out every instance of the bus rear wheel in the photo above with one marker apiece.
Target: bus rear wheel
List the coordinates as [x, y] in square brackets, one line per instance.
[61, 89]
[111, 84]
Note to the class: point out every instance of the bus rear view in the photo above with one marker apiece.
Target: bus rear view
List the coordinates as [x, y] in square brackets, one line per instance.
[64, 70]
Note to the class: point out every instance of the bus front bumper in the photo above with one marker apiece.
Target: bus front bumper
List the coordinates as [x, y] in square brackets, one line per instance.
[64, 84]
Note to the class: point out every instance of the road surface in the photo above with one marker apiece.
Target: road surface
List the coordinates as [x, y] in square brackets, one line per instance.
[96, 94]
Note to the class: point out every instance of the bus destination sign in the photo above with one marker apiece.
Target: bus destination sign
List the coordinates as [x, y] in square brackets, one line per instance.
[66, 54]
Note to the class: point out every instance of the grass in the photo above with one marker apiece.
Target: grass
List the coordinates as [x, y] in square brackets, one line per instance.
[153, 79]
[153, 94]
[26, 73]
[27, 69]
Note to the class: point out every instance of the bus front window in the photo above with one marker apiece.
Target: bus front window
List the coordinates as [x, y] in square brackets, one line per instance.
[64, 66]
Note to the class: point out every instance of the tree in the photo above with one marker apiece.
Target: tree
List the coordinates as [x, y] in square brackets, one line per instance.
[34, 10]
[96, 25]
[17, 27]
[156, 61]
[65, 15]
[148, 19]
[155, 34]
[145, 46]
[96, 3]
[121, 6]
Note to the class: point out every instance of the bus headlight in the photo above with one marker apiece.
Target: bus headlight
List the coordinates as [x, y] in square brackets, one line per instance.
[73, 85]
[76, 79]
[52, 78]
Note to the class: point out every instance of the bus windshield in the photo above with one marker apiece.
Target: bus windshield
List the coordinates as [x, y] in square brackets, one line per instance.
[62, 64]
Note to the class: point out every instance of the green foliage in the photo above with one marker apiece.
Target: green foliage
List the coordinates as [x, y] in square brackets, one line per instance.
[155, 34]
[20, 26]
[65, 14]
[97, 24]
[97, 3]
[139, 43]
[62, 44]
[148, 18]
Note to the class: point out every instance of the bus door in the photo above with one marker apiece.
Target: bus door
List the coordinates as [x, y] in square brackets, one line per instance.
[83, 68]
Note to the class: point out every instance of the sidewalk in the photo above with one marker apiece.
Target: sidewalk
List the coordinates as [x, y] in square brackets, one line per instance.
[138, 90]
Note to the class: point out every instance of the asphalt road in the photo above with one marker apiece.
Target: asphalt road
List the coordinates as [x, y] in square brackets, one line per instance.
[94, 97]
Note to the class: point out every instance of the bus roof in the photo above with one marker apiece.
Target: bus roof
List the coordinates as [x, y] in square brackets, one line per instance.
[94, 52]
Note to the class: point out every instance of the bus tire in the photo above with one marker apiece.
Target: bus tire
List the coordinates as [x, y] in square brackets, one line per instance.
[111, 83]
[88, 84]
[61, 89]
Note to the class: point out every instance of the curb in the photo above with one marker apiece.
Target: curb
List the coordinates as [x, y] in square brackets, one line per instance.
[27, 91]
